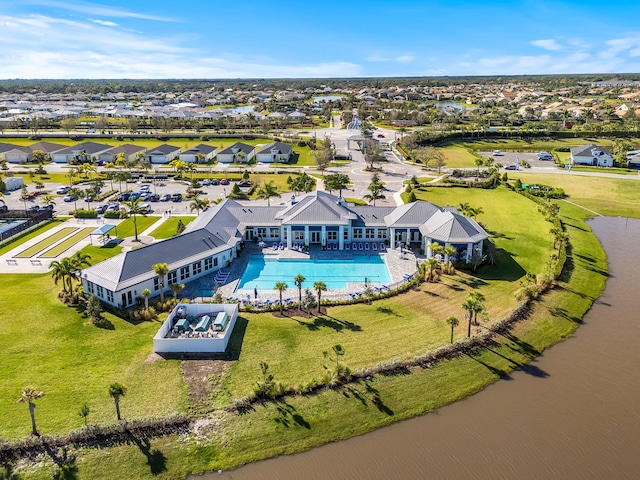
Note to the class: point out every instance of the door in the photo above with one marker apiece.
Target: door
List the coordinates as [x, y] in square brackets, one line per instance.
[315, 237]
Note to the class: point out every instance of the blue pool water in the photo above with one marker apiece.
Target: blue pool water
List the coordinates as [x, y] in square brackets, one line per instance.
[9, 224]
[263, 272]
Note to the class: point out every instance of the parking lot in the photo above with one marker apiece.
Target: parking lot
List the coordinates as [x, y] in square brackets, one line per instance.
[508, 158]
[62, 207]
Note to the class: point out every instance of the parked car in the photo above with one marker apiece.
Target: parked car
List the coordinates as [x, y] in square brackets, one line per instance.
[33, 208]
[511, 167]
[206, 182]
[224, 181]
[123, 197]
[88, 199]
[544, 156]
[380, 135]
[101, 208]
[154, 197]
[165, 197]
[146, 206]
[69, 198]
[134, 195]
[48, 206]
[4, 208]
[145, 195]
[215, 181]
[62, 190]
[145, 188]
[497, 153]
[113, 206]
[176, 197]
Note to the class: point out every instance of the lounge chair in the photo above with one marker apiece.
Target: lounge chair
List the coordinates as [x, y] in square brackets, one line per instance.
[386, 287]
[347, 246]
[334, 246]
[275, 245]
[295, 246]
[281, 246]
[361, 246]
[382, 247]
[374, 247]
[366, 246]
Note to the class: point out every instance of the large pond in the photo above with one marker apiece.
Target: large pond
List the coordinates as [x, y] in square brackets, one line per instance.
[577, 418]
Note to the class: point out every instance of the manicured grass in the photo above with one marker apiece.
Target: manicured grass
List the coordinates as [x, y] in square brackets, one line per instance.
[47, 242]
[126, 229]
[355, 201]
[534, 145]
[457, 156]
[20, 239]
[61, 353]
[67, 243]
[607, 196]
[618, 171]
[169, 226]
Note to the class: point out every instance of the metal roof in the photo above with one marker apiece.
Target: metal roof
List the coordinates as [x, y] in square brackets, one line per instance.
[450, 227]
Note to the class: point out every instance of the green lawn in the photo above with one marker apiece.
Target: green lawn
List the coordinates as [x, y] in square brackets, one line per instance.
[169, 226]
[607, 196]
[55, 349]
[457, 156]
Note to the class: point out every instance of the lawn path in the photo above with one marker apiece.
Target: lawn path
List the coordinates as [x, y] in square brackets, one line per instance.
[584, 208]
[155, 225]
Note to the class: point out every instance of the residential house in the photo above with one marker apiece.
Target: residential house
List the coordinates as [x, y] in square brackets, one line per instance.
[633, 159]
[275, 152]
[162, 154]
[199, 154]
[14, 153]
[237, 153]
[213, 240]
[131, 153]
[47, 147]
[85, 152]
[591, 155]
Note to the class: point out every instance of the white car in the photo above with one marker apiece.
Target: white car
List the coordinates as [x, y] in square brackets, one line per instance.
[62, 190]
[497, 153]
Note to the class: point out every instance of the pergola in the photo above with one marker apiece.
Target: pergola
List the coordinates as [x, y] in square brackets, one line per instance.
[103, 234]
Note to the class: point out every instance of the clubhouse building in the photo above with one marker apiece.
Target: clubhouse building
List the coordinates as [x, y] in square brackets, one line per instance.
[316, 220]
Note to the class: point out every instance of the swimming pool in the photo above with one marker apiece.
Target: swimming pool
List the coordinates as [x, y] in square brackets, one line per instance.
[9, 224]
[264, 271]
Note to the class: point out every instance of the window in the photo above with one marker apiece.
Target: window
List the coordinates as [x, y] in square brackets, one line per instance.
[197, 268]
[90, 288]
[262, 232]
[109, 296]
[371, 233]
[208, 263]
[215, 262]
[156, 284]
[382, 233]
[298, 235]
[100, 292]
[184, 272]
[274, 232]
[172, 277]
[357, 233]
[332, 235]
[345, 234]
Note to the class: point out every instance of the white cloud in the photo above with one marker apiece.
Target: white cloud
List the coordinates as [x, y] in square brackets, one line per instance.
[548, 44]
[106, 23]
[97, 10]
[404, 58]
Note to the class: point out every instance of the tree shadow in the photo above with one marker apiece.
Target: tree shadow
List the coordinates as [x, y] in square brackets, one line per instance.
[563, 313]
[288, 416]
[65, 463]
[432, 294]
[496, 371]
[533, 370]
[377, 399]
[504, 268]
[328, 321]
[349, 390]
[523, 347]
[387, 311]
[494, 234]
[156, 460]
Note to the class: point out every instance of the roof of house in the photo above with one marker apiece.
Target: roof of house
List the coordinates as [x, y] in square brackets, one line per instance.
[201, 148]
[163, 149]
[586, 150]
[447, 226]
[46, 147]
[277, 147]
[7, 147]
[88, 147]
[317, 208]
[237, 147]
[127, 149]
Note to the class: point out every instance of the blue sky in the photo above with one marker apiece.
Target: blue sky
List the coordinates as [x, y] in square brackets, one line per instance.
[348, 38]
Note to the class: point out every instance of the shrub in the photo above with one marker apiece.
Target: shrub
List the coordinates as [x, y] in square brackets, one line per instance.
[81, 213]
[112, 214]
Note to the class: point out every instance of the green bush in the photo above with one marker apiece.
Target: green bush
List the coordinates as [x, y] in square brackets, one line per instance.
[112, 214]
[81, 213]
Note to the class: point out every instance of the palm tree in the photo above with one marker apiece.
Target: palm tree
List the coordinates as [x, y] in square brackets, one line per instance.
[469, 305]
[432, 263]
[479, 162]
[117, 390]
[319, 287]
[75, 193]
[146, 293]
[449, 253]
[84, 413]
[176, 288]
[161, 269]
[46, 200]
[199, 204]
[281, 287]
[464, 208]
[77, 262]
[376, 190]
[299, 280]
[479, 299]
[60, 270]
[474, 212]
[134, 207]
[338, 351]
[29, 396]
[267, 191]
[453, 321]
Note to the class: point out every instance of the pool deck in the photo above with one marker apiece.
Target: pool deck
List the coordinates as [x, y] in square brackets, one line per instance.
[398, 265]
